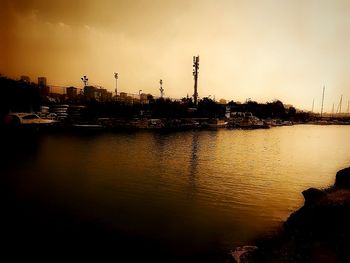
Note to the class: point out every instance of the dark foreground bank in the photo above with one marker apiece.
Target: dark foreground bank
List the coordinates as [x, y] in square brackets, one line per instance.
[317, 232]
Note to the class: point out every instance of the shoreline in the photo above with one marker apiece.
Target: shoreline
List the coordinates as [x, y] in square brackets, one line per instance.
[317, 232]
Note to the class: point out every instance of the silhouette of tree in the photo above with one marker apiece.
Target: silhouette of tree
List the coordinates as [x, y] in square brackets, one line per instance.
[209, 108]
[17, 96]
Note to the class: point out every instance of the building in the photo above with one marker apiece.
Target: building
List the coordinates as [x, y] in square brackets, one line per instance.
[123, 95]
[144, 98]
[102, 95]
[98, 94]
[72, 92]
[90, 93]
[42, 82]
[44, 91]
[125, 98]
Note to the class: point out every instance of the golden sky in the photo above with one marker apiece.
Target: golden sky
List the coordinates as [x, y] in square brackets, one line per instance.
[263, 49]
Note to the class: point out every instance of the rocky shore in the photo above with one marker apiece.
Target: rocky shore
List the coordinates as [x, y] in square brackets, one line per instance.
[317, 232]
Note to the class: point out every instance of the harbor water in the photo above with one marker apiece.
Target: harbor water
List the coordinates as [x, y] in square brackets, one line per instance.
[170, 197]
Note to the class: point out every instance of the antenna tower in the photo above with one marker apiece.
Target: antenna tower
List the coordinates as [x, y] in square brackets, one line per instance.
[195, 75]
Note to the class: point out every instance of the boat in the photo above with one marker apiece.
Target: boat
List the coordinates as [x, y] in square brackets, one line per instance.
[145, 124]
[216, 123]
[24, 120]
[247, 120]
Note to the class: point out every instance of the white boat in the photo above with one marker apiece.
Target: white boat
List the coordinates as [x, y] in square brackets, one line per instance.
[216, 123]
[26, 119]
[247, 121]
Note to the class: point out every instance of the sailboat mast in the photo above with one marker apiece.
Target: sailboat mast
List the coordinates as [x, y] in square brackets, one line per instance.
[322, 101]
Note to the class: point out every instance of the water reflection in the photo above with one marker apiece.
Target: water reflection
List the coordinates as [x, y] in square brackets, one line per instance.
[17, 147]
[160, 146]
[184, 196]
[193, 162]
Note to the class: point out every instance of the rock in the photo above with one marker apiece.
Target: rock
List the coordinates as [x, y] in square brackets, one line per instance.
[312, 196]
[342, 179]
[244, 254]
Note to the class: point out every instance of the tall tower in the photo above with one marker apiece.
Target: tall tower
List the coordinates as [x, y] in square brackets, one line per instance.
[161, 88]
[195, 75]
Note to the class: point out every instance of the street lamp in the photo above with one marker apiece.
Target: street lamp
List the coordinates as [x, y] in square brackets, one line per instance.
[161, 88]
[116, 83]
[85, 80]
[140, 94]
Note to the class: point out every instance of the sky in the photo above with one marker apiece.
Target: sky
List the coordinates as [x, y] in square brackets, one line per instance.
[262, 50]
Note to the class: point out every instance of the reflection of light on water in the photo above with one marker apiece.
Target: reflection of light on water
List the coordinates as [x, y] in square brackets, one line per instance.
[193, 162]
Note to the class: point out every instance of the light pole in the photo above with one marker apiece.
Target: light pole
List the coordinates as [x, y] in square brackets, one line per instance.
[140, 94]
[85, 80]
[161, 88]
[116, 83]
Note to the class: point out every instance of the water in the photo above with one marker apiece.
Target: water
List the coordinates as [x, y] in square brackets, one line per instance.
[175, 197]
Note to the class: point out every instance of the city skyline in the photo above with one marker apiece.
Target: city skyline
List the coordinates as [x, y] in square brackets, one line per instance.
[286, 50]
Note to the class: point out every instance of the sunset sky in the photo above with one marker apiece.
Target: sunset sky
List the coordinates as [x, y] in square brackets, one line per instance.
[263, 50]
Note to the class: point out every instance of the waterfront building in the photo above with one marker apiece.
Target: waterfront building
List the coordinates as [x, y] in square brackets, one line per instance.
[44, 91]
[104, 95]
[144, 98]
[90, 92]
[98, 94]
[42, 82]
[123, 95]
[72, 92]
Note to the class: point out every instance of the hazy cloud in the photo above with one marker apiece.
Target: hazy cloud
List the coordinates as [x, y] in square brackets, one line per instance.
[258, 49]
